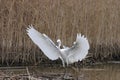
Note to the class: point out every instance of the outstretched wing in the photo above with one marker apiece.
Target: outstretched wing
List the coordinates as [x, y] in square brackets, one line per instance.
[79, 50]
[44, 43]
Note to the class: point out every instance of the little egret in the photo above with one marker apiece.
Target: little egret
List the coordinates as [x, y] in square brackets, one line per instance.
[68, 55]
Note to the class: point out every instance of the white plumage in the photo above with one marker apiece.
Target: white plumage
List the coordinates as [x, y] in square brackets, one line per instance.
[68, 55]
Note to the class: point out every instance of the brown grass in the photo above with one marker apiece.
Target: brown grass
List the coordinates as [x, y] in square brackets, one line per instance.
[99, 20]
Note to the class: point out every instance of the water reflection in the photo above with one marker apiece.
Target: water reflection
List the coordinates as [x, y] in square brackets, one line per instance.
[94, 72]
[102, 72]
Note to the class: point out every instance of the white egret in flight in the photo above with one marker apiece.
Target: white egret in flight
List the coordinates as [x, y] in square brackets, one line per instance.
[68, 55]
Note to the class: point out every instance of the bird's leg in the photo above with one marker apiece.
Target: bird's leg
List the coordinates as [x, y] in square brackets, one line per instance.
[66, 66]
[63, 63]
[66, 76]
[65, 73]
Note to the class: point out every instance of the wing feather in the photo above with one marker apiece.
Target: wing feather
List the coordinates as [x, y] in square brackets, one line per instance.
[79, 49]
[44, 43]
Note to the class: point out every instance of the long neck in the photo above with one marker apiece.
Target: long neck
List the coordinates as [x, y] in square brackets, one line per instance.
[59, 44]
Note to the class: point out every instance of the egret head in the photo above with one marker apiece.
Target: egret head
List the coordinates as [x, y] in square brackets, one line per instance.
[74, 43]
[59, 43]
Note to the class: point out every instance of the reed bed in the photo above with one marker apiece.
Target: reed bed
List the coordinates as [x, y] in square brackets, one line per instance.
[98, 20]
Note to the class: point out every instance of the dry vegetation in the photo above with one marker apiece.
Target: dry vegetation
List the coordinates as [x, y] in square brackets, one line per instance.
[99, 20]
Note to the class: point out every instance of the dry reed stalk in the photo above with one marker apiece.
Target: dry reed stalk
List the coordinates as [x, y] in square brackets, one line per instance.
[98, 20]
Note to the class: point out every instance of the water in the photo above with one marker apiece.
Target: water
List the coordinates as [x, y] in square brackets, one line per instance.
[109, 71]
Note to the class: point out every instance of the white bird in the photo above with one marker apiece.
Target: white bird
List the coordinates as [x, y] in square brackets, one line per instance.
[68, 55]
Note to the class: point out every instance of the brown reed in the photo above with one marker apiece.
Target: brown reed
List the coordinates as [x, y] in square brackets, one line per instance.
[99, 20]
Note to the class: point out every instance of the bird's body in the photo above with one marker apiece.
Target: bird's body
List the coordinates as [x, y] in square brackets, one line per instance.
[68, 55]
